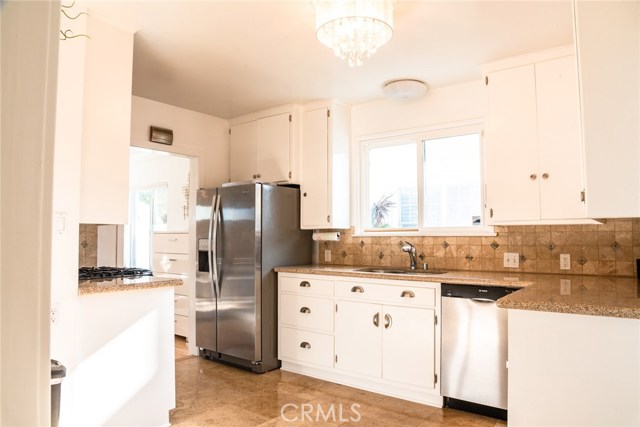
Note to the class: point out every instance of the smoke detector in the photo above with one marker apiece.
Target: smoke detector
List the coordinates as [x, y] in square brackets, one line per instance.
[404, 89]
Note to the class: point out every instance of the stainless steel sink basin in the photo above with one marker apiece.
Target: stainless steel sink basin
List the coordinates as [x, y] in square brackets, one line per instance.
[397, 270]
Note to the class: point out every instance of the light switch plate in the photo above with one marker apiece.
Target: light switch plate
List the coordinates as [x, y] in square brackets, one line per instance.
[327, 255]
[512, 260]
[565, 262]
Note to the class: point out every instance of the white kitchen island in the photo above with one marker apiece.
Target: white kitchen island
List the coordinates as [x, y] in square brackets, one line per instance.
[125, 373]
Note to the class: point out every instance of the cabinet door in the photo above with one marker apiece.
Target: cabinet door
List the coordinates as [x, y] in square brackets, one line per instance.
[104, 197]
[511, 151]
[559, 139]
[242, 152]
[408, 345]
[359, 338]
[273, 148]
[314, 178]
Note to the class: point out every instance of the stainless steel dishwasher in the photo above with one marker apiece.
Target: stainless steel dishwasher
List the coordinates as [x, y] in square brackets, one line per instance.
[474, 349]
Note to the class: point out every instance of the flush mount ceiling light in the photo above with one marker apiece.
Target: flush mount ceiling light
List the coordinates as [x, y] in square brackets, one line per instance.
[354, 29]
[404, 89]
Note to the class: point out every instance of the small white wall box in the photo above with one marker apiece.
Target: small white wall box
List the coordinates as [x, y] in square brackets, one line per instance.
[161, 135]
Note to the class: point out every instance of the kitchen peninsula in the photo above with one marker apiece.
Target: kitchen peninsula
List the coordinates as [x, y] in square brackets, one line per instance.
[125, 371]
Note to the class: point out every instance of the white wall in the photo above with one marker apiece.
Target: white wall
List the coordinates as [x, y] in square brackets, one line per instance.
[450, 105]
[194, 134]
[29, 62]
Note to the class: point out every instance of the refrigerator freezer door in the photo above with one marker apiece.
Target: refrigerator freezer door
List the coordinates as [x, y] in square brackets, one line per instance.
[205, 293]
[239, 323]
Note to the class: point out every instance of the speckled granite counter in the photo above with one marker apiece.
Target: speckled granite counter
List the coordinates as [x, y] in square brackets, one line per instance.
[589, 295]
[117, 285]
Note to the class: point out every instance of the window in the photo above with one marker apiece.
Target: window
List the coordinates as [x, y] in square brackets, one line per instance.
[423, 184]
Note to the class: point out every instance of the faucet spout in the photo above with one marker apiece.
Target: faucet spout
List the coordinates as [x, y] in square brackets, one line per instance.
[411, 250]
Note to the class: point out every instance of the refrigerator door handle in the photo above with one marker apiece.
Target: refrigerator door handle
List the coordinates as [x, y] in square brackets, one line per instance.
[210, 247]
[214, 245]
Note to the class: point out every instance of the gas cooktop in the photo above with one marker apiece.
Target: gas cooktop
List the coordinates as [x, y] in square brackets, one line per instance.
[85, 273]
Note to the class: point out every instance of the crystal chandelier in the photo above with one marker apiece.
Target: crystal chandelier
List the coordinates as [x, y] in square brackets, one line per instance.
[354, 29]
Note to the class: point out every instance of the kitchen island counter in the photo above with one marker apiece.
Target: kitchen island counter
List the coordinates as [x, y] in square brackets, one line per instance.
[94, 286]
[572, 294]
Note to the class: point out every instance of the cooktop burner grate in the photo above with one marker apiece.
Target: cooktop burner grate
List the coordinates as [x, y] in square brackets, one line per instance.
[85, 273]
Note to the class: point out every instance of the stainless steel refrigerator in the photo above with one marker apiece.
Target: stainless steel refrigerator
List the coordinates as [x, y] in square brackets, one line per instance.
[243, 232]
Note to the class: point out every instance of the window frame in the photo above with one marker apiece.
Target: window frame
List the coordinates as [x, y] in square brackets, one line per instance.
[365, 143]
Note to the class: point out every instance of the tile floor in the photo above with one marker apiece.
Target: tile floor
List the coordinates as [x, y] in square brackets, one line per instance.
[213, 394]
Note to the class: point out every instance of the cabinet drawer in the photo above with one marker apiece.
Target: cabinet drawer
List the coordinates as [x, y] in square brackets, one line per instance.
[174, 243]
[388, 294]
[171, 263]
[306, 347]
[306, 285]
[181, 305]
[180, 325]
[306, 312]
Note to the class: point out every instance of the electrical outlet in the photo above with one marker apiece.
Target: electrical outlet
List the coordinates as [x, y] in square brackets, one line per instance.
[54, 314]
[327, 255]
[511, 260]
[565, 262]
[565, 287]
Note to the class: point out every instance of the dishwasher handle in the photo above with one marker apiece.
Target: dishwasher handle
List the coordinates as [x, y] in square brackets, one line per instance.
[482, 300]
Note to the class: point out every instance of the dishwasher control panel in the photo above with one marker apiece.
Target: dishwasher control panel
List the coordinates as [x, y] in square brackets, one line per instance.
[475, 291]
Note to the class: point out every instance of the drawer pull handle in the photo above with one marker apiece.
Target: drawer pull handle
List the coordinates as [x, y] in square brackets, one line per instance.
[173, 259]
[305, 345]
[305, 284]
[358, 289]
[407, 294]
[376, 320]
[175, 239]
[387, 321]
[305, 310]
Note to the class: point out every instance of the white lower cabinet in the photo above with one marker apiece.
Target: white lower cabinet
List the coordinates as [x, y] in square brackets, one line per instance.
[378, 335]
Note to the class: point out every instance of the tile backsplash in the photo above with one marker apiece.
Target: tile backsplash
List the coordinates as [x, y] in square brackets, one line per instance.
[603, 249]
[88, 248]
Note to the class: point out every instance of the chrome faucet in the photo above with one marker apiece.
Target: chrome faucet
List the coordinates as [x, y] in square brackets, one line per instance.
[411, 250]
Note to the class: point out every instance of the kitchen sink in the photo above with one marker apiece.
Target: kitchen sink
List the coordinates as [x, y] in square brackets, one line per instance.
[397, 271]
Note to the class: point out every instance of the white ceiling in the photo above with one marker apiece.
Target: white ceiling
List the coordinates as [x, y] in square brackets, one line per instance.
[228, 58]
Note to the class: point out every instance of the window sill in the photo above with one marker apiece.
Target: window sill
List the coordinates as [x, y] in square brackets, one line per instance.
[487, 231]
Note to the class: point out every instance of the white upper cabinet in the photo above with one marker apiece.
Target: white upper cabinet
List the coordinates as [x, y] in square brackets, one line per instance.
[532, 145]
[106, 130]
[608, 49]
[263, 146]
[324, 166]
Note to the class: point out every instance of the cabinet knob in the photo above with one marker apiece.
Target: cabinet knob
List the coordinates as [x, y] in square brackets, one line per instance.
[258, 175]
[533, 177]
[254, 176]
[305, 345]
[376, 319]
[305, 310]
[407, 294]
[305, 284]
[545, 176]
[304, 194]
[357, 289]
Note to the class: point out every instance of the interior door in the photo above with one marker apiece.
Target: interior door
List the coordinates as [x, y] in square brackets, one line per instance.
[240, 271]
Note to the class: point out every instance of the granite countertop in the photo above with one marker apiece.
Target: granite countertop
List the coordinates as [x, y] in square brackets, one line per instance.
[574, 294]
[96, 286]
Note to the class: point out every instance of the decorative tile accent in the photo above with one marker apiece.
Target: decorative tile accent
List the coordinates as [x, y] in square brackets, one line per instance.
[362, 243]
[343, 254]
[582, 260]
[494, 245]
[422, 256]
[84, 244]
[445, 244]
[469, 257]
[551, 246]
[380, 255]
[523, 258]
[615, 246]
